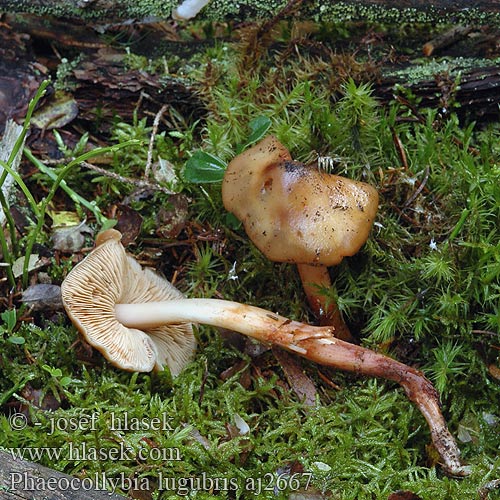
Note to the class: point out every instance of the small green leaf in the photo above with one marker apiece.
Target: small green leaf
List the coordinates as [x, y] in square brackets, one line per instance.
[9, 317]
[16, 340]
[64, 381]
[259, 127]
[232, 222]
[203, 167]
[54, 372]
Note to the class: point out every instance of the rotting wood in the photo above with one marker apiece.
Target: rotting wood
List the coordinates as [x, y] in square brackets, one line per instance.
[447, 38]
[475, 92]
[23, 480]
[105, 11]
[105, 87]
[102, 84]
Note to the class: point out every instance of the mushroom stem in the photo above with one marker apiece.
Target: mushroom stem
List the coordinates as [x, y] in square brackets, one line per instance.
[314, 343]
[325, 309]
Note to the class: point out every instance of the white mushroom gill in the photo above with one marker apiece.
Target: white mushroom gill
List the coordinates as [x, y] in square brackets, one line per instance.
[108, 276]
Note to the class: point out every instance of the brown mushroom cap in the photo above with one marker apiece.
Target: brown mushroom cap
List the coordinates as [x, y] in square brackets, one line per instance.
[107, 276]
[293, 212]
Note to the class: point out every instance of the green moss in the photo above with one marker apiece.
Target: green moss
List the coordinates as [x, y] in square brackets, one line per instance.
[340, 11]
[425, 287]
[89, 12]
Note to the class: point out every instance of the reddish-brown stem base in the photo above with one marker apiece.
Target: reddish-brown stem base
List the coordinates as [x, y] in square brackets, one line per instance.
[418, 388]
[315, 343]
[325, 309]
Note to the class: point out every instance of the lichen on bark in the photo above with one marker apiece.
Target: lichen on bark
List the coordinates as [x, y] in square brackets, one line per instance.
[387, 11]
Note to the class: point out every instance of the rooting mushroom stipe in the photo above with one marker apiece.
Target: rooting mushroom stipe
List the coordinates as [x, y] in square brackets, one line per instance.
[295, 213]
[109, 298]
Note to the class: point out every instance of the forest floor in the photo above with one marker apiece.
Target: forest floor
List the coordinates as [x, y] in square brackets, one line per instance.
[121, 120]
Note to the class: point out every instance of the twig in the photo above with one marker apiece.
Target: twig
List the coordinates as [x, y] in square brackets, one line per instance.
[484, 491]
[412, 198]
[484, 332]
[400, 149]
[447, 38]
[156, 124]
[140, 183]
[328, 381]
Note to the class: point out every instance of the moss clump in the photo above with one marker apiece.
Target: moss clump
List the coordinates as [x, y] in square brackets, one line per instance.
[424, 288]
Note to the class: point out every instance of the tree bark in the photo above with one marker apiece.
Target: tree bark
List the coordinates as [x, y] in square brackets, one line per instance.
[476, 92]
[23, 480]
[482, 12]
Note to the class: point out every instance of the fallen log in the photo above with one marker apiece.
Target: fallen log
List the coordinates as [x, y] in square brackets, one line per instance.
[103, 86]
[472, 93]
[23, 480]
[481, 12]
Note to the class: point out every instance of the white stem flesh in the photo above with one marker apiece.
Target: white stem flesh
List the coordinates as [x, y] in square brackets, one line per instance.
[314, 343]
[248, 320]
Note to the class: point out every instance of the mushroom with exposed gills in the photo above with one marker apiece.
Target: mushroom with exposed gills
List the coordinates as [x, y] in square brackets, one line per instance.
[109, 276]
[295, 213]
[108, 297]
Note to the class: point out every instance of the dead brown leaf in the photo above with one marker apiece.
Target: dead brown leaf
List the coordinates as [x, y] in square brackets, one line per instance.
[299, 382]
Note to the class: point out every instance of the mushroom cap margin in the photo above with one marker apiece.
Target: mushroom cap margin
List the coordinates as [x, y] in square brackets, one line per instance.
[107, 276]
[293, 212]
